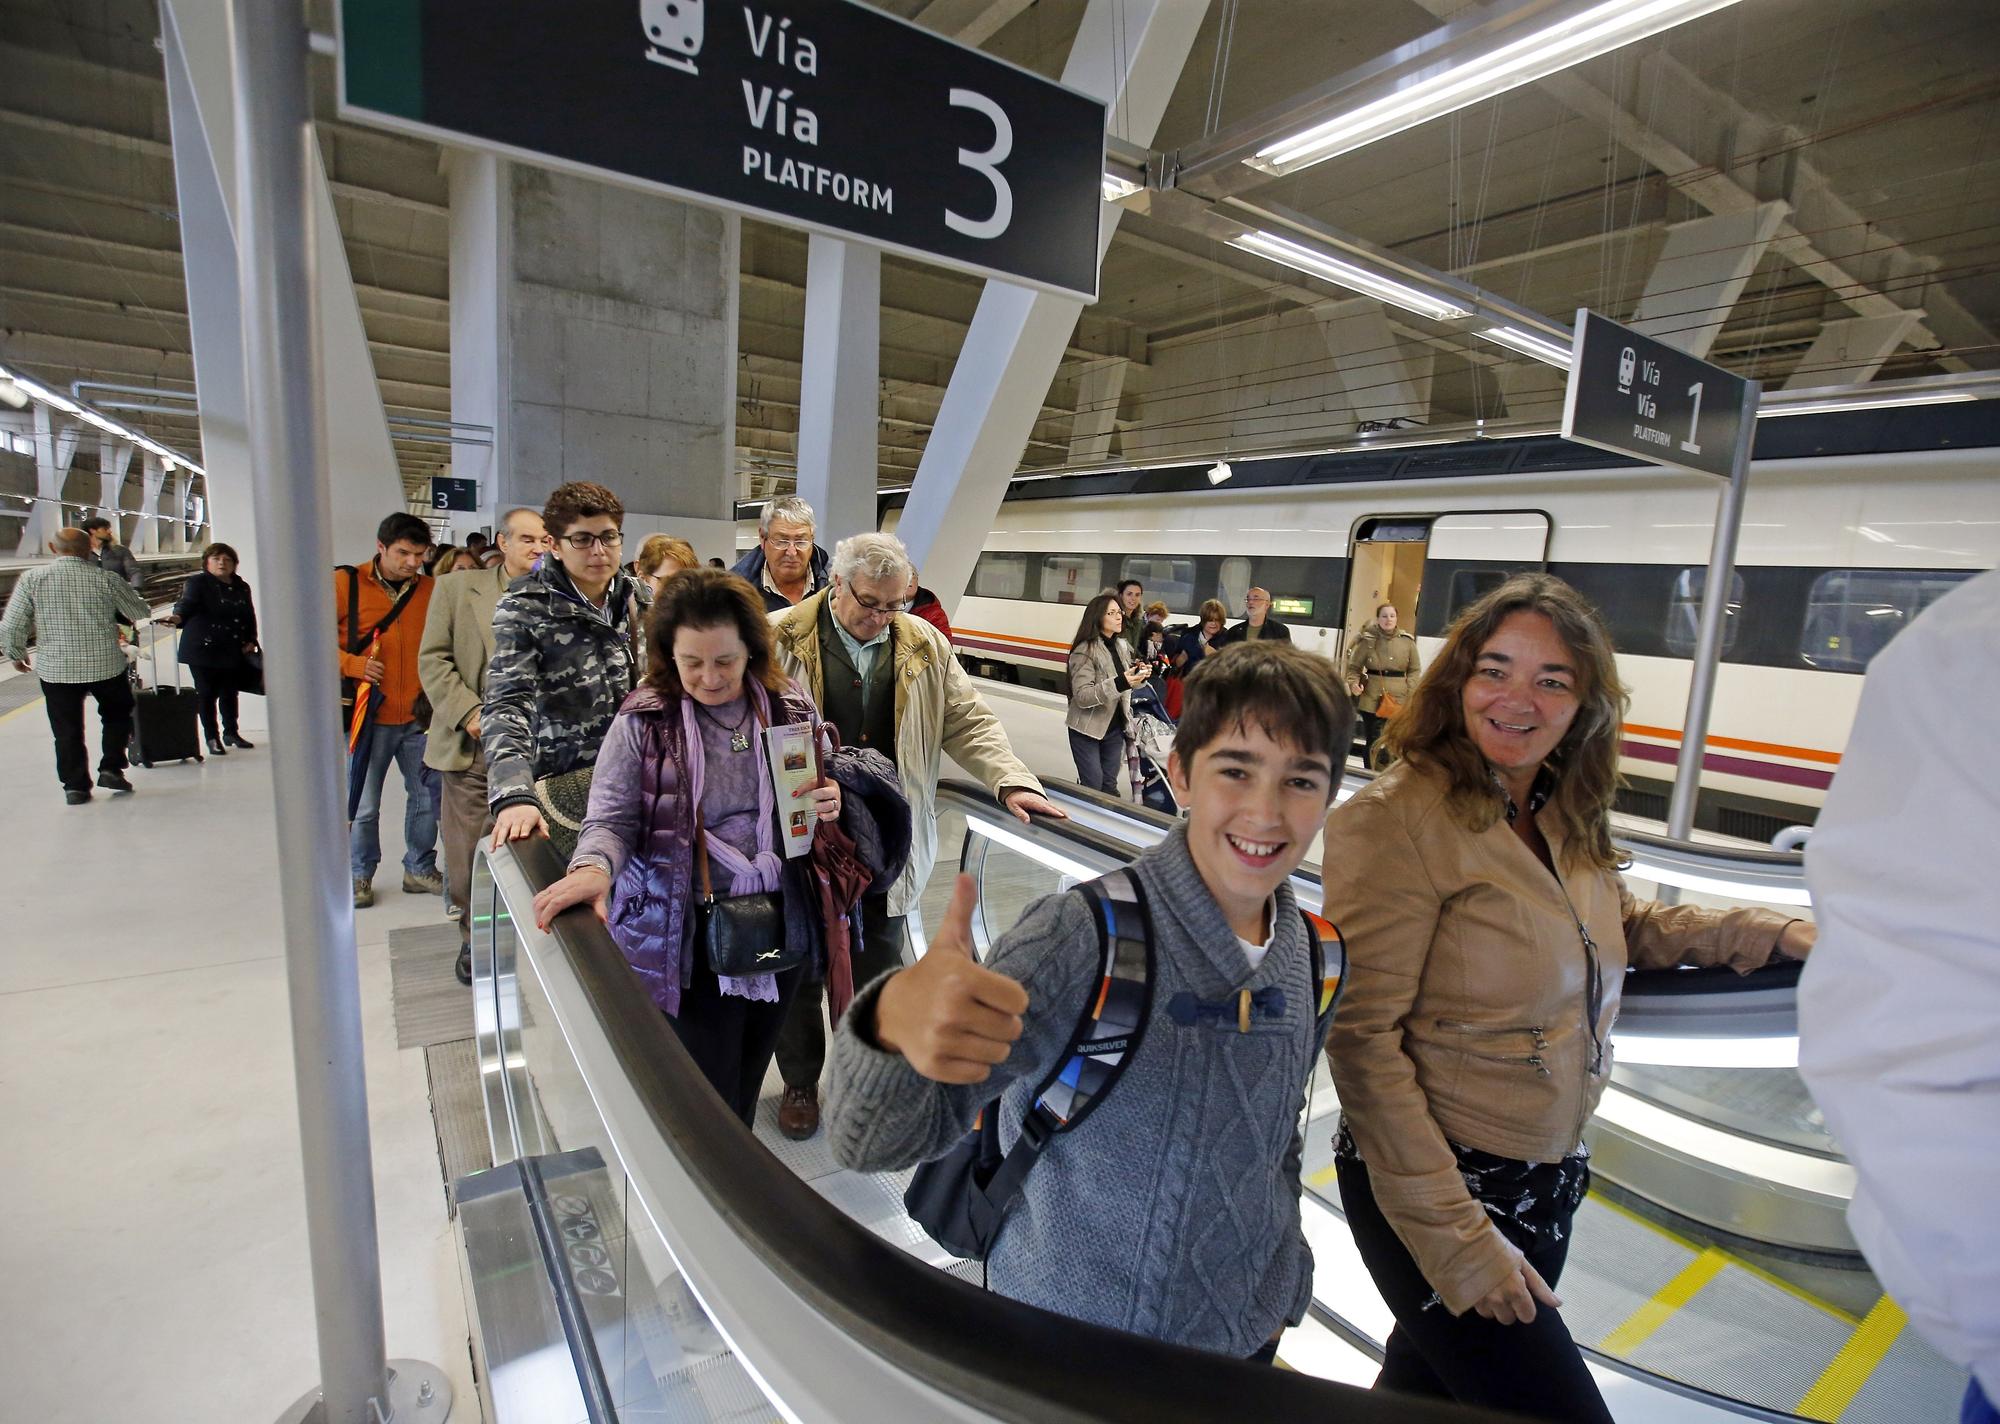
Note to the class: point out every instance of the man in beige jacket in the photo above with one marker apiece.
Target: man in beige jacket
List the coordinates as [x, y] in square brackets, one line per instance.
[887, 680]
[451, 664]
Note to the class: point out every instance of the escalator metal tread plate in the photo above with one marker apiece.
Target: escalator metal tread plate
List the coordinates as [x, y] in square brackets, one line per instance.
[1617, 1265]
[1912, 1385]
[717, 1391]
[1746, 1338]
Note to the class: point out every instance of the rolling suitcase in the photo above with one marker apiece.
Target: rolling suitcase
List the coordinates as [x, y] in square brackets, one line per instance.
[164, 724]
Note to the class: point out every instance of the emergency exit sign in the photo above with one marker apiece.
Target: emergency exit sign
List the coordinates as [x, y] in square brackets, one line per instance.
[1636, 395]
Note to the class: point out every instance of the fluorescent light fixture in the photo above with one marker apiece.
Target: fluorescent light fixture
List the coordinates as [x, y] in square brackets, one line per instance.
[1342, 273]
[1527, 343]
[1584, 34]
[1220, 472]
[37, 391]
[1886, 401]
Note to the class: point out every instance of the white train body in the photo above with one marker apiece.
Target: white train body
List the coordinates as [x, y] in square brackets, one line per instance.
[1776, 732]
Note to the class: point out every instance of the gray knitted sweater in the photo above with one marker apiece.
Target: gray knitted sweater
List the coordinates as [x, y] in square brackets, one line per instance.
[1173, 1209]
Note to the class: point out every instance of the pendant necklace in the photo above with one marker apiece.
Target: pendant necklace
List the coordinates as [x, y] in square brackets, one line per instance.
[739, 740]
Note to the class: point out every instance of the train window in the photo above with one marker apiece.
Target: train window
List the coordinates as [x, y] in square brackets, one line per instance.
[1468, 586]
[1071, 578]
[1169, 580]
[1684, 612]
[1000, 576]
[1232, 581]
[1851, 614]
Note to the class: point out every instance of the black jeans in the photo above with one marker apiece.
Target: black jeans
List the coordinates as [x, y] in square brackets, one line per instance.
[114, 711]
[1370, 727]
[1533, 1369]
[1099, 759]
[802, 1044]
[731, 1038]
[216, 689]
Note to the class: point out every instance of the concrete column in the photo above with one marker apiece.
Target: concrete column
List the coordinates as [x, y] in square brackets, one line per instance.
[1852, 350]
[840, 390]
[1701, 272]
[147, 539]
[594, 327]
[1129, 53]
[1381, 380]
[1098, 389]
[54, 452]
[183, 485]
[201, 110]
[114, 459]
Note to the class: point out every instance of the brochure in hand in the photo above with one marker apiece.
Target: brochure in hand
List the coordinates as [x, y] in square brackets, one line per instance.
[793, 756]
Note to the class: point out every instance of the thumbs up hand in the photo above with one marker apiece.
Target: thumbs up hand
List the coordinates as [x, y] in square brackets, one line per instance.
[951, 1018]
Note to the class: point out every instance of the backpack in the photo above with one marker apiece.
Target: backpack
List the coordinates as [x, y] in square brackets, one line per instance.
[961, 1199]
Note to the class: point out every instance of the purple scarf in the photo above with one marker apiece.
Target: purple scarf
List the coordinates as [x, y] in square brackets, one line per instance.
[747, 875]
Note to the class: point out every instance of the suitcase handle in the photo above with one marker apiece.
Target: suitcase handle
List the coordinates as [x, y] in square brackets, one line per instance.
[153, 656]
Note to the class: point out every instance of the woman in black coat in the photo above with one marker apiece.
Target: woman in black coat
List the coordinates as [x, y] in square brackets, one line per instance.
[218, 624]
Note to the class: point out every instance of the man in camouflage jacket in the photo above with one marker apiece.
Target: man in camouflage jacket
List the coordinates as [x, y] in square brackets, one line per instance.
[560, 669]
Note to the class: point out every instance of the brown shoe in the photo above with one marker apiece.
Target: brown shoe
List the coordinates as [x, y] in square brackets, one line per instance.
[798, 1113]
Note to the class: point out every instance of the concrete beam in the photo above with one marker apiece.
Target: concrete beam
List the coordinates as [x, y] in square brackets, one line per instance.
[1098, 390]
[1852, 350]
[1701, 273]
[840, 386]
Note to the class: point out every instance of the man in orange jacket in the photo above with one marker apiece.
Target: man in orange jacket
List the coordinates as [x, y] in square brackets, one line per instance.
[380, 608]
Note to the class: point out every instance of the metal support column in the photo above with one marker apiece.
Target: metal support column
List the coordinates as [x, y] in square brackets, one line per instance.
[1708, 643]
[293, 512]
[840, 391]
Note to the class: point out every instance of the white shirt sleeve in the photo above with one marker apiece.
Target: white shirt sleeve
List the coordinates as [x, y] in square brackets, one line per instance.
[1899, 1004]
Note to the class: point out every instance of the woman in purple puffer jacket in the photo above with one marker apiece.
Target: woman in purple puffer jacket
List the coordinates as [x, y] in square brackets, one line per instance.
[691, 735]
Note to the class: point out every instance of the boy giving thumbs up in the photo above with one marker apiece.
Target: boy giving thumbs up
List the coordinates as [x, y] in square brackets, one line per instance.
[1173, 1211]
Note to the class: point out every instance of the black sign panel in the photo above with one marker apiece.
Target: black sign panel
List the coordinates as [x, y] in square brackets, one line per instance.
[822, 114]
[458, 496]
[1638, 396]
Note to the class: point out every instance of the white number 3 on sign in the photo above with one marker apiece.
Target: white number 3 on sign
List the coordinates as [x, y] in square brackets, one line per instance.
[986, 164]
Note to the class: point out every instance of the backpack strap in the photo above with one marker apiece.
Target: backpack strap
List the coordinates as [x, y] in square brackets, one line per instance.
[1329, 965]
[1106, 1037]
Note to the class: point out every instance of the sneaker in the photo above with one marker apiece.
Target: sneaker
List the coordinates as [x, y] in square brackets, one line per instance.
[464, 966]
[114, 781]
[76, 798]
[798, 1113]
[415, 884]
[364, 893]
[451, 912]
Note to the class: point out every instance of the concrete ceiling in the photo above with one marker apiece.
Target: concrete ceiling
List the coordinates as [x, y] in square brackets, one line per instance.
[1875, 119]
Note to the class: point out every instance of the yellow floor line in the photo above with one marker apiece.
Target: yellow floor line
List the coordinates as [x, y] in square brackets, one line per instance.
[1323, 1176]
[1640, 1325]
[6, 717]
[1836, 1387]
[1795, 1291]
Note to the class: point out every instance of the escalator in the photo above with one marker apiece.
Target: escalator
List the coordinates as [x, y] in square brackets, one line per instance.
[637, 1256]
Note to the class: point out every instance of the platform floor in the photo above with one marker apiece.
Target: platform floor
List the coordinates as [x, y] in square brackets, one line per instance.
[154, 1266]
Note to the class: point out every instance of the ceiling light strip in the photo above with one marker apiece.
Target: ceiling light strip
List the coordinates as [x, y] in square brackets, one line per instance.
[1545, 51]
[1343, 273]
[37, 391]
[1542, 348]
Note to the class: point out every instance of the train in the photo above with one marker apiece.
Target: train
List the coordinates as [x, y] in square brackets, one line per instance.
[1852, 526]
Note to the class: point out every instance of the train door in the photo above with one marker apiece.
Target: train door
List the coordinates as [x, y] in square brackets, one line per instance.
[1446, 560]
[1384, 565]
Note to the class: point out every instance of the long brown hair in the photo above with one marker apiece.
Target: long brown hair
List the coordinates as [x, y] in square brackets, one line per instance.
[1429, 732]
[710, 598]
[1092, 626]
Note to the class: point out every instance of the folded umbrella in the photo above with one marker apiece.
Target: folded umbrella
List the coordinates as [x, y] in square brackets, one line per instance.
[360, 737]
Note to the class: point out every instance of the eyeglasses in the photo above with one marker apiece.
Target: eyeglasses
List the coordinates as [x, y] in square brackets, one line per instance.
[797, 546]
[878, 610]
[581, 542]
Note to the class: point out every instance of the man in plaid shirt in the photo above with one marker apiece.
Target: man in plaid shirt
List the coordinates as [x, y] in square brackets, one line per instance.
[70, 610]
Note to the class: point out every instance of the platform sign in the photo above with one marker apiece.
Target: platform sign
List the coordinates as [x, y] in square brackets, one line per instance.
[822, 114]
[458, 496]
[1634, 395]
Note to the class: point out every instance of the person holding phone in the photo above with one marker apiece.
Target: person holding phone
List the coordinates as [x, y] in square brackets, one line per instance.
[1100, 694]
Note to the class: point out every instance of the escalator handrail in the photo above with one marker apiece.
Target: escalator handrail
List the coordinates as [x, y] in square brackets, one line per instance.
[982, 1349]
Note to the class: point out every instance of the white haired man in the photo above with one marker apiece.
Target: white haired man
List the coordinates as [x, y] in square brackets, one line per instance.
[787, 567]
[887, 680]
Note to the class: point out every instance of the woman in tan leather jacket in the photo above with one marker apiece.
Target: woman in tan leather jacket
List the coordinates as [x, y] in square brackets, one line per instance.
[1488, 934]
